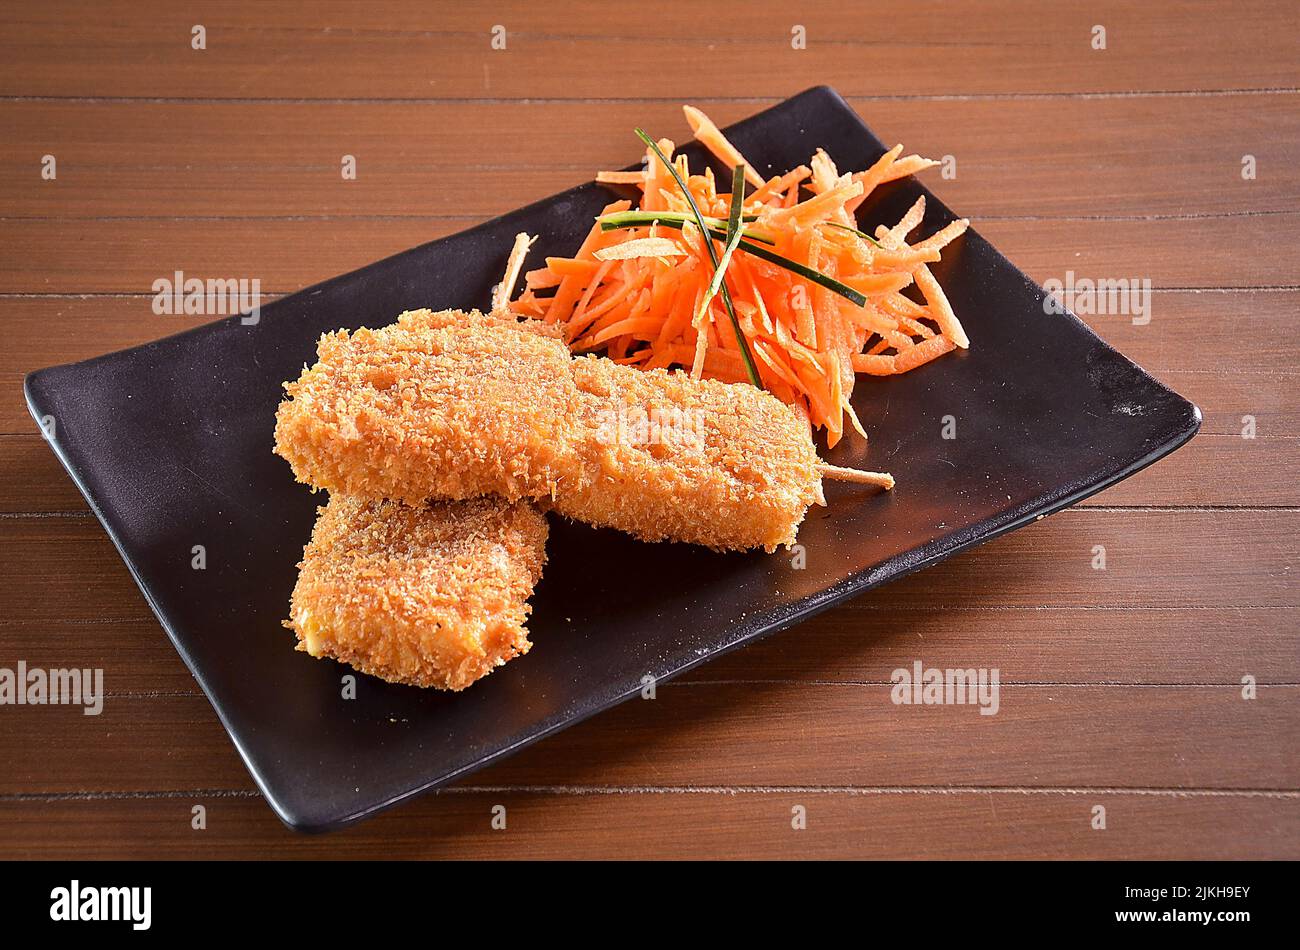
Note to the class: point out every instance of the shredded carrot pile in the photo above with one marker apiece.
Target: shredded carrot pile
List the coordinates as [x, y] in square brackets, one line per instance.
[641, 293]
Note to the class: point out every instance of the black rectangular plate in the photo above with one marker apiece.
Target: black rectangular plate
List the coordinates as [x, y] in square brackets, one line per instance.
[171, 445]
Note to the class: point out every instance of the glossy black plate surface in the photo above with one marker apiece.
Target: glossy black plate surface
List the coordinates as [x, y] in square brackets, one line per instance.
[171, 445]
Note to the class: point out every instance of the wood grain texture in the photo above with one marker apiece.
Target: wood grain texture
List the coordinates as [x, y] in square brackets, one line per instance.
[669, 824]
[1121, 687]
[65, 568]
[125, 256]
[345, 50]
[187, 159]
[1184, 338]
[861, 642]
[748, 734]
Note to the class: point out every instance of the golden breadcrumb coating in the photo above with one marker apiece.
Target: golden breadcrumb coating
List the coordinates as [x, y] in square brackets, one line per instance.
[429, 595]
[453, 405]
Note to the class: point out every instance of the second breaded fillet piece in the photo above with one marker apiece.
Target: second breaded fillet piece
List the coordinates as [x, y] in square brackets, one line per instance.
[429, 595]
[455, 404]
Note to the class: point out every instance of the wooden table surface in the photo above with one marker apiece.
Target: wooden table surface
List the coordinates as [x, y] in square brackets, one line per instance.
[1121, 688]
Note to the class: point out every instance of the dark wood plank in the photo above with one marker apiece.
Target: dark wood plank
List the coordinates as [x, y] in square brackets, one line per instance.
[1228, 395]
[32, 480]
[135, 654]
[1215, 470]
[1013, 156]
[696, 824]
[66, 568]
[747, 734]
[127, 256]
[349, 50]
[864, 642]
[861, 642]
[1182, 344]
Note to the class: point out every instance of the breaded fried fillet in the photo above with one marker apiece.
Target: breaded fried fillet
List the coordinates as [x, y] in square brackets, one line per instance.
[453, 405]
[430, 595]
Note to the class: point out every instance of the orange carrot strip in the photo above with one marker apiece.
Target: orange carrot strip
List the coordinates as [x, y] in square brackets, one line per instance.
[825, 175]
[581, 308]
[642, 328]
[571, 288]
[569, 267]
[641, 248]
[805, 325]
[815, 209]
[901, 306]
[628, 306]
[816, 387]
[874, 365]
[719, 364]
[899, 341]
[662, 287]
[907, 166]
[869, 318]
[657, 177]
[779, 184]
[906, 259]
[621, 178]
[873, 176]
[541, 278]
[769, 354]
[686, 301]
[759, 304]
[940, 308]
[528, 304]
[701, 351]
[640, 356]
[909, 221]
[922, 353]
[915, 327]
[943, 237]
[712, 138]
[878, 284]
[662, 359]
